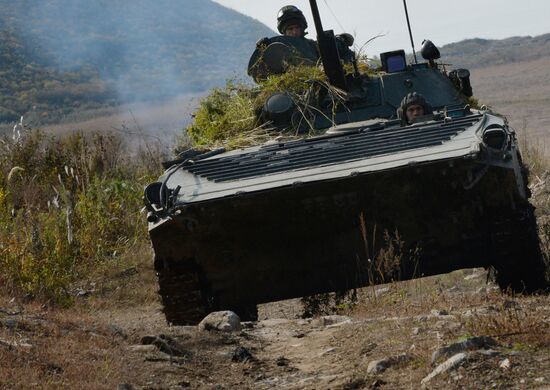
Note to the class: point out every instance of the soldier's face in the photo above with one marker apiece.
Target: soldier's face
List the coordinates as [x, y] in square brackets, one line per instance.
[414, 112]
[294, 30]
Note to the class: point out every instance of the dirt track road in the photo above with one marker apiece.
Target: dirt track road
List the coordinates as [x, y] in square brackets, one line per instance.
[107, 348]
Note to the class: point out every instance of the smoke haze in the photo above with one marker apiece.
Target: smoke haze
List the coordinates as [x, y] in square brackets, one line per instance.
[144, 49]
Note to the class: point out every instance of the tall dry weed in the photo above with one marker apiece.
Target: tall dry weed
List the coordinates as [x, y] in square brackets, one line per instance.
[513, 321]
[381, 263]
[67, 205]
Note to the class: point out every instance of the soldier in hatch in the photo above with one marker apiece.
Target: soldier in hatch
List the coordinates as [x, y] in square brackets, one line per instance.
[413, 106]
[270, 57]
[292, 23]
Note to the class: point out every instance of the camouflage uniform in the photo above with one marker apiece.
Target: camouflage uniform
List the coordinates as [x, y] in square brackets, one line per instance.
[288, 16]
[304, 51]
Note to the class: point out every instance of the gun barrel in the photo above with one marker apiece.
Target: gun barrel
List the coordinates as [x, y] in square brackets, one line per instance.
[316, 17]
[329, 51]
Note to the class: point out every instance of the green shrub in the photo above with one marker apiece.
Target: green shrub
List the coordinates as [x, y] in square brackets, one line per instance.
[37, 256]
[66, 207]
[107, 218]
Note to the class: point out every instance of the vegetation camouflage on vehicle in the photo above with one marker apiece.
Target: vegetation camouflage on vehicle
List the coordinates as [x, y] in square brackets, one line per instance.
[369, 201]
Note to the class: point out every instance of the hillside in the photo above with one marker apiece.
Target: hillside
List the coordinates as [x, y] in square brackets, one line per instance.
[480, 53]
[519, 90]
[510, 75]
[62, 56]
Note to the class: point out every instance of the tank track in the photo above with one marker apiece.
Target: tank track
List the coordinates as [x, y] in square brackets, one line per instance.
[183, 296]
[179, 288]
[518, 261]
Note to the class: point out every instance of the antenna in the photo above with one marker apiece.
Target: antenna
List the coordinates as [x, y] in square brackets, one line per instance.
[410, 31]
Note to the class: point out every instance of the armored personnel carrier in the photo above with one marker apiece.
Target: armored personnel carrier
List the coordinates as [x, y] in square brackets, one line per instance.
[231, 230]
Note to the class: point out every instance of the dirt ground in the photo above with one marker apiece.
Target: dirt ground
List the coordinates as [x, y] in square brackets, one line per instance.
[99, 346]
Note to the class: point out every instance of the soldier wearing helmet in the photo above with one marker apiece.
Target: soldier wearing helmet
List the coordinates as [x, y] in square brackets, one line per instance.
[273, 55]
[412, 106]
[292, 25]
[291, 22]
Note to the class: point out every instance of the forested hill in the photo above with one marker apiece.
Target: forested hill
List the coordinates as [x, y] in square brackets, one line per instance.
[60, 55]
[479, 53]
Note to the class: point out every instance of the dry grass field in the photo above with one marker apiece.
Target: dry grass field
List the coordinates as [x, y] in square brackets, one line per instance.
[519, 90]
[164, 118]
[138, 121]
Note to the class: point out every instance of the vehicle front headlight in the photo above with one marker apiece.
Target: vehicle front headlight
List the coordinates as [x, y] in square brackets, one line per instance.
[495, 137]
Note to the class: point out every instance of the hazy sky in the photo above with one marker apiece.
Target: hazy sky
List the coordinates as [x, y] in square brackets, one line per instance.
[442, 21]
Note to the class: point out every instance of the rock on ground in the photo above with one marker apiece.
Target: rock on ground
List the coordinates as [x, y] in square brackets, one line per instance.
[332, 321]
[448, 365]
[378, 366]
[165, 344]
[505, 364]
[223, 321]
[241, 354]
[466, 345]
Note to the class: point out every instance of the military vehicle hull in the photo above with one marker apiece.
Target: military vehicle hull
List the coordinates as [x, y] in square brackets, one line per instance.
[344, 211]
